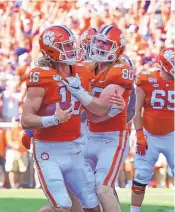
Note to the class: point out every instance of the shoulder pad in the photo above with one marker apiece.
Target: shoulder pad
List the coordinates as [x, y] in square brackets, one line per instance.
[38, 77]
[146, 77]
[118, 65]
[79, 64]
[37, 68]
[45, 68]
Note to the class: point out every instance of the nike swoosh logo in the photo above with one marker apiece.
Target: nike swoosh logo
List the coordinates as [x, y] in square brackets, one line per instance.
[74, 87]
[107, 142]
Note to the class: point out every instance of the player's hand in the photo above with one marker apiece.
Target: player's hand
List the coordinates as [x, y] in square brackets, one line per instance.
[117, 104]
[26, 139]
[63, 115]
[141, 144]
[73, 84]
[117, 100]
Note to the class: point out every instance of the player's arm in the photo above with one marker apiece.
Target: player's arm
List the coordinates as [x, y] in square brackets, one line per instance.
[29, 118]
[117, 103]
[98, 106]
[141, 144]
[131, 105]
[140, 98]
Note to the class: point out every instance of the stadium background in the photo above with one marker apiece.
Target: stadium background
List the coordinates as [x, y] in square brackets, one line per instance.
[148, 27]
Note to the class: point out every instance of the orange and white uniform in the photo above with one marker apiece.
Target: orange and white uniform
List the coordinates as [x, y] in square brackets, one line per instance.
[107, 144]
[158, 123]
[55, 91]
[58, 147]
[159, 103]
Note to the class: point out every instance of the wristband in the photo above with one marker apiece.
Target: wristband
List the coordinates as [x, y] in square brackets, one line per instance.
[48, 121]
[84, 97]
[113, 111]
[29, 133]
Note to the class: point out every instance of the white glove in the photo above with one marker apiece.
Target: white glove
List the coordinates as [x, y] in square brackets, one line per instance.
[73, 85]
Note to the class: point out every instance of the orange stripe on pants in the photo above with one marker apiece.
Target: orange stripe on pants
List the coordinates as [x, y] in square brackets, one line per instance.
[121, 158]
[106, 181]
[45, 188]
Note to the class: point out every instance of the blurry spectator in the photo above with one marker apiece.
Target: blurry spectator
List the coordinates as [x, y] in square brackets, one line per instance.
[16, 155]
[24, 66]
[2, 157]
[11, 98]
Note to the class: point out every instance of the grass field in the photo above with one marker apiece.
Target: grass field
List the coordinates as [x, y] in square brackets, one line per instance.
[30, 200]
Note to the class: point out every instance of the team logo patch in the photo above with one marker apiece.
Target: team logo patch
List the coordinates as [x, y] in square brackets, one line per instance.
[152, 79]
[57, 77]
[155, 85]
[45, 156]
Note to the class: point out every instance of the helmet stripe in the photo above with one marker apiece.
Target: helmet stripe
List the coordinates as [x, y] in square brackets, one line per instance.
[103, 29]
[68, 30]
[106, 30]
[95, 29]
[65, 28]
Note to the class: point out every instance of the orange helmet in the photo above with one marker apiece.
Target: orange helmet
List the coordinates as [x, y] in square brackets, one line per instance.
[85, 40]
[111, 36]
[167, 61]
[59, 44]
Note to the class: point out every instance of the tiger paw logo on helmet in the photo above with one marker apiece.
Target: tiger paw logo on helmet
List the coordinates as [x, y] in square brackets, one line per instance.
[48, 38]
[168, 55]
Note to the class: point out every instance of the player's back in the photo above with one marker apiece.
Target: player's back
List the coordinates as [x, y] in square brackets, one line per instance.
[119, 74]
[55, 91]
[158, 114]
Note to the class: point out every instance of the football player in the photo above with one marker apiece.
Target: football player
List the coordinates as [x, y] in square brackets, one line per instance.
[154, 123]
[107, 145]
[57, 150]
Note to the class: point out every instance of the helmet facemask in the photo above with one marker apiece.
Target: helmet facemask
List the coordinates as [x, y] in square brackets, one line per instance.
[99, 54]
[69, 56]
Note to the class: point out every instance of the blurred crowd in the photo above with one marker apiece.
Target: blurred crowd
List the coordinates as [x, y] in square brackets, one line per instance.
[148, 26]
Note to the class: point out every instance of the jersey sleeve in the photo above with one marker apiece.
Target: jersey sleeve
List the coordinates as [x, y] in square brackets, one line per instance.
[142, 79]
[122, 75]
[37, 78]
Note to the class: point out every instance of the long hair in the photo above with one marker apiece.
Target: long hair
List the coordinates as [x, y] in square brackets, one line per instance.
[44, 61]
